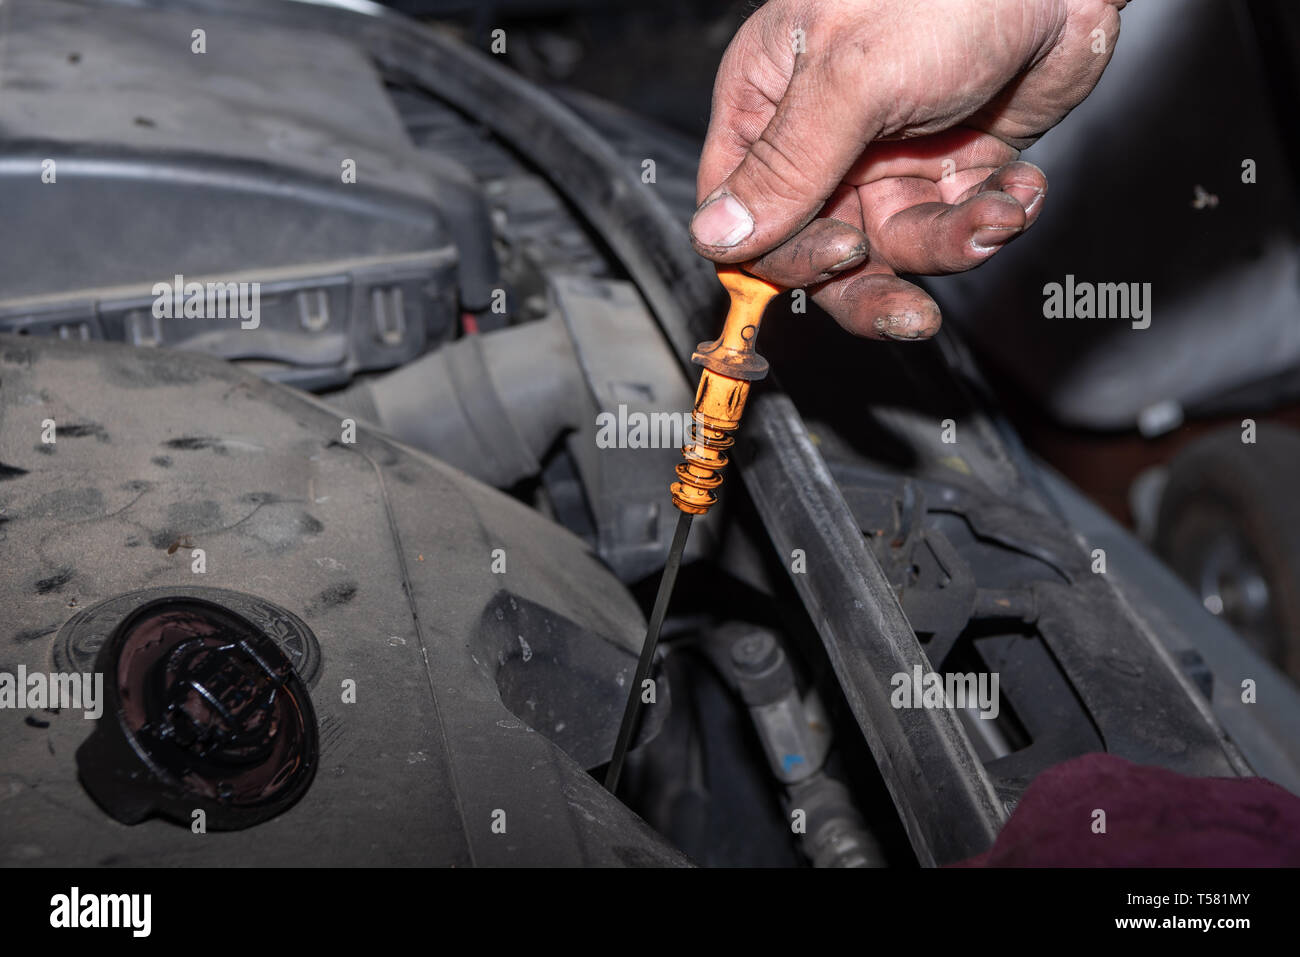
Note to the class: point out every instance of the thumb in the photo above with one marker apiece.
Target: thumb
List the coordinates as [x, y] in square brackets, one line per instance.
[784, 177]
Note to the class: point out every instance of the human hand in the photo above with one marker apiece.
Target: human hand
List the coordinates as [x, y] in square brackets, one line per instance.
[853, 140]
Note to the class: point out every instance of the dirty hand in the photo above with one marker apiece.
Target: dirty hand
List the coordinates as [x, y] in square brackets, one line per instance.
[852, 140]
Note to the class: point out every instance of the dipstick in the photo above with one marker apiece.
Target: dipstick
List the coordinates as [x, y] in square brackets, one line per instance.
[730, 364]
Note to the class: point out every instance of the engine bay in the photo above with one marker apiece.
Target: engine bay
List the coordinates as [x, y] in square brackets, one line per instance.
[407, 492]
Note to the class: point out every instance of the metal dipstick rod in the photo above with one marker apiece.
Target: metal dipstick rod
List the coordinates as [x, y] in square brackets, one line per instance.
[730, 364]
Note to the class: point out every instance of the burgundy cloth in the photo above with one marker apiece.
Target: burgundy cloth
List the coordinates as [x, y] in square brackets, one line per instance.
[1154, 818]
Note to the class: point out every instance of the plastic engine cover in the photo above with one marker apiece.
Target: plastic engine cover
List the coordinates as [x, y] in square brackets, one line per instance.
[417, 606]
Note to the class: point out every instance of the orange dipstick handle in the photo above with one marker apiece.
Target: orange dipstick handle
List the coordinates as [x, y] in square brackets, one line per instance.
[730, 364]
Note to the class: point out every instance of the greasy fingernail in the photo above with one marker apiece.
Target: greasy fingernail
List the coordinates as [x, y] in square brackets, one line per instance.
[854, 258]
[899, 328]
[830, 272]
[1026, 196]
[721, 222]
[988, 238]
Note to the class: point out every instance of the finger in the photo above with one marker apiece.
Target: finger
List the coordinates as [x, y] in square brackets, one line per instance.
[1025, 181]
[818, 252]
[939, 157]
[914, 234]
[784, 177]
[879, 305]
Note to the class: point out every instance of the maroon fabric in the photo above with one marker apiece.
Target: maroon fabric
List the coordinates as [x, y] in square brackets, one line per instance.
[1154, 818]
